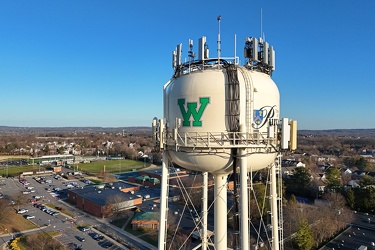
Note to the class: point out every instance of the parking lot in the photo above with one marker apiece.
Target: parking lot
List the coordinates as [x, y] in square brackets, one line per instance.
[37, 194]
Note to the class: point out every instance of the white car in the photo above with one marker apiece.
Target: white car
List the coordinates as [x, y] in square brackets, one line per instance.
[30, 217]
[22, 211]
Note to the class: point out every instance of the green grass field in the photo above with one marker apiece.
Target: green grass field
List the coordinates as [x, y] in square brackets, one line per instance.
[93, 168]
[110, 166]
[16, 170]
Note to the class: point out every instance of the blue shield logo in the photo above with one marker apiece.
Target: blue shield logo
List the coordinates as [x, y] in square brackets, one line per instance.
[258, 117]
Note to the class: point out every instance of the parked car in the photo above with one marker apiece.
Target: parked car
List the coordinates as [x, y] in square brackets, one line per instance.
[80, 238]
[98, 237]
[22, 211]
[29, 217]
[85, 229]
[106, 244]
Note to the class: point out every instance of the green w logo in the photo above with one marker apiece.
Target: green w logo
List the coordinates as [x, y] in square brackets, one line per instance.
[192, 111]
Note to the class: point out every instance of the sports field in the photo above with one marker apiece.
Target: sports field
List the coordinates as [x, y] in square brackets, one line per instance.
[92, 168]
[13, 157]
[109, 166]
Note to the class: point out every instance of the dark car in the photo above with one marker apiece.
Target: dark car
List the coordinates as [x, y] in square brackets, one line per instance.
[98, 237]
[78, 247]
[80, 238]
[106, 244]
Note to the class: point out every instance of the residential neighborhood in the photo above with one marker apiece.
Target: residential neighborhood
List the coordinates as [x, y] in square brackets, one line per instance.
[118, 179]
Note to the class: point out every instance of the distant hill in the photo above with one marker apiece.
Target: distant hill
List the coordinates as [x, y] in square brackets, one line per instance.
[37, 130]
[362, 133]
[368, 133]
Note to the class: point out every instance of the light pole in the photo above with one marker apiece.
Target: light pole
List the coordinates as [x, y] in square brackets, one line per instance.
[120, 165]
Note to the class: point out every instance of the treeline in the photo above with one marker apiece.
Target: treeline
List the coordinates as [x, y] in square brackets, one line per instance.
[132, 144]
[361, 199]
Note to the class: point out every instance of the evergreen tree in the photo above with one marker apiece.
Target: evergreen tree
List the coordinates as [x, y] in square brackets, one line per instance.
[350, 199]
[293, 201]
[304, 238]
[333, 177]
[300, 181]
[366, 180]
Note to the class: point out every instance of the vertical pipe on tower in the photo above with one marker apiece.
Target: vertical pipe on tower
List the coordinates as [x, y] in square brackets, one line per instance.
[204, 211]
[274, 212]
[218, 40]
[220, 208]
[244, 202]
[163, 203]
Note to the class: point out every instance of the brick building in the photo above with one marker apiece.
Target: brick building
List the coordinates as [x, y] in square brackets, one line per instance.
[96, 200]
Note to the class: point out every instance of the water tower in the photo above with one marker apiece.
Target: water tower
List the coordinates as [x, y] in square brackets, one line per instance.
[220, 118]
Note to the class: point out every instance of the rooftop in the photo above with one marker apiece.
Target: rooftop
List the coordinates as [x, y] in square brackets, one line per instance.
[100, 195]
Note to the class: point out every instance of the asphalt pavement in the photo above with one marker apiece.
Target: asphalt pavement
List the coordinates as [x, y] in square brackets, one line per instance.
[65, 224]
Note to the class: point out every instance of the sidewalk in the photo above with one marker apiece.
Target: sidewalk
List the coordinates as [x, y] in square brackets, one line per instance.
[5, 245]
[16, 234]
[126, 234]
[126, 223]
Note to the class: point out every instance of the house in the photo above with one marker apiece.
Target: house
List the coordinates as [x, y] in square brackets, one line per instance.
[318, 176]
[348, 172]
[320, 185]
[287, 171]
[359, 173]
[300, 164]
[146, 220]
[352, 184]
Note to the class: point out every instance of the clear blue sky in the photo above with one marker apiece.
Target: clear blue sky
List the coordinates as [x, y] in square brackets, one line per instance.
[104, 63]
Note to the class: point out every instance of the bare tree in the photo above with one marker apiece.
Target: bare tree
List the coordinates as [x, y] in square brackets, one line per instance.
[106, 177]
[39, 241]
[337, 201]
[115, 206]
[19, 200]
[180, 242]
[5, 209]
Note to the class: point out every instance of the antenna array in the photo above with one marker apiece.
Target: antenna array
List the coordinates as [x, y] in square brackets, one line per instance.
[261, 56]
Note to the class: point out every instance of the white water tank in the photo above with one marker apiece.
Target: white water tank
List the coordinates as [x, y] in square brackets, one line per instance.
[199, 101]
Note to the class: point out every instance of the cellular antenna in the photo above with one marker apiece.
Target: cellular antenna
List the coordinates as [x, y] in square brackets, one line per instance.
[261, 23]
[218, 40]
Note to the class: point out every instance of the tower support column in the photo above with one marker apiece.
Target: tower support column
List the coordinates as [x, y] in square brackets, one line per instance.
[220, 208]
[204, 212]
[274, 210]
[163, 203]
[244, 202]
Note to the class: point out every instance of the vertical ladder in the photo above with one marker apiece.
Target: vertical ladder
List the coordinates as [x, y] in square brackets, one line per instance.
[249, 97]
[280, 201]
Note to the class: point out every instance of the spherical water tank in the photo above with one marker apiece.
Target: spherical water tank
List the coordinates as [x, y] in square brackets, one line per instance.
[200, 102]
